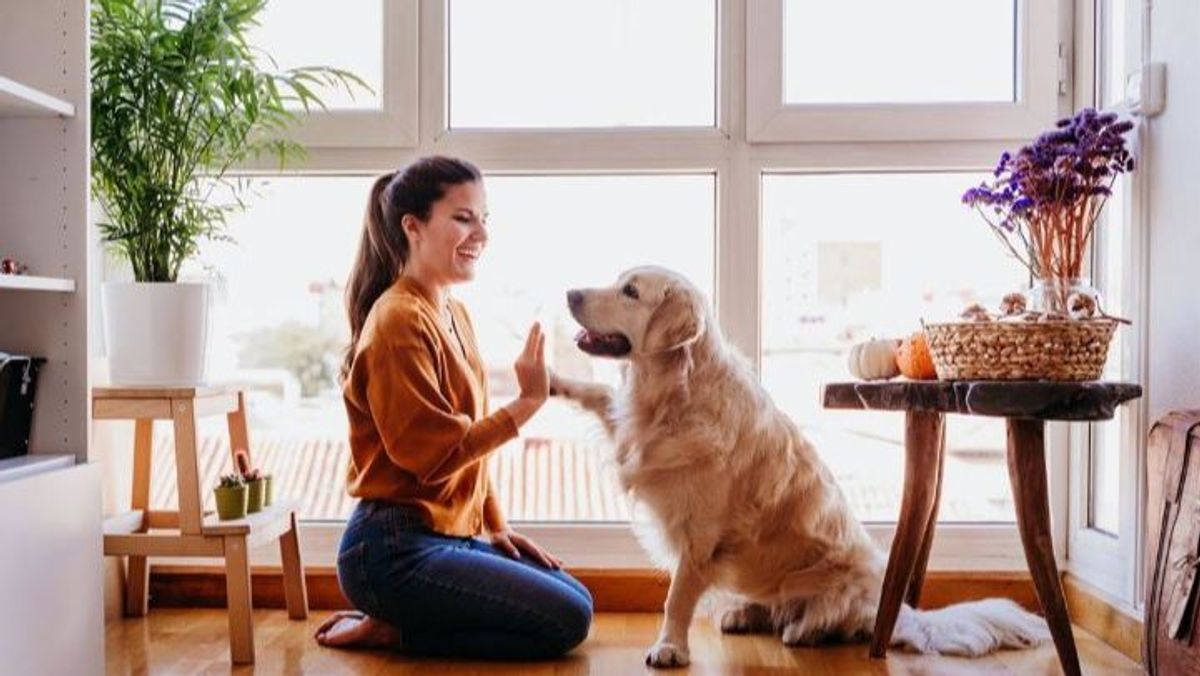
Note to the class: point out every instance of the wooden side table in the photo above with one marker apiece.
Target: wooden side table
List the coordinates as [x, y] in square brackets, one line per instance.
[189, 531]
[1025, 405]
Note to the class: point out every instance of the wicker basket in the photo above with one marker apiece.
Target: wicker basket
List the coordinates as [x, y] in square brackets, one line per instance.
[1020, 350]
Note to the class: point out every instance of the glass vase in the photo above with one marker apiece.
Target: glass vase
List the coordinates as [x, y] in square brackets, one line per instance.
[1051, 295]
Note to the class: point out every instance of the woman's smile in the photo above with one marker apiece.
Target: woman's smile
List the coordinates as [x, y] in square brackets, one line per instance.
[470, 252]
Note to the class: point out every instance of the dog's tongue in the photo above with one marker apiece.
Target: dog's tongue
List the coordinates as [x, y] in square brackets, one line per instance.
[602, 344]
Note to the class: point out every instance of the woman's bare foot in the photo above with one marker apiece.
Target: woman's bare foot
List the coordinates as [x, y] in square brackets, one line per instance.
[353, 629]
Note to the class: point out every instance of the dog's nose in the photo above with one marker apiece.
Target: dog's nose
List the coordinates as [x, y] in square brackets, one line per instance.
[574, 299]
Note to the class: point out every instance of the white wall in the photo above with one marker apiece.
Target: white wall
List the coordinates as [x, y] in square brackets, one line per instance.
[1174, 209]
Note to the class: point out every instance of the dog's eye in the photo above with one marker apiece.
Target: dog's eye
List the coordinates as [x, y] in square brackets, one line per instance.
[630, 290]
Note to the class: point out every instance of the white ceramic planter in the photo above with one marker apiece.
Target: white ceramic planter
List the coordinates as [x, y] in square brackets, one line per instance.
[156, 333]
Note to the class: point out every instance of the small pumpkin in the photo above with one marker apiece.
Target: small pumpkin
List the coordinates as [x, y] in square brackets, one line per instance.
[874, 360]
[913, 358]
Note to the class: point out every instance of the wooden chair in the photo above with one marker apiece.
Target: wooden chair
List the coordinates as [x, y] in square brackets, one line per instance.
[189, 531]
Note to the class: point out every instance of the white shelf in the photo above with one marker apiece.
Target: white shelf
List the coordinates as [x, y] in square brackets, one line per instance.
[27, 465]
[17, 100]
[28, 283]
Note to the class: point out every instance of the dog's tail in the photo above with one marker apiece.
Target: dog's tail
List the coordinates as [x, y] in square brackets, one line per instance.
[969, 629]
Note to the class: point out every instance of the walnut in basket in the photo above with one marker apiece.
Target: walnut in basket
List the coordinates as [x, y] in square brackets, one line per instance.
[1014, 304]
[976, 313]
[1082, 305]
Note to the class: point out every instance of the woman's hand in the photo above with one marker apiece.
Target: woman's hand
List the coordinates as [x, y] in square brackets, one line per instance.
[514, 544]
[531, 366]
[531, 377]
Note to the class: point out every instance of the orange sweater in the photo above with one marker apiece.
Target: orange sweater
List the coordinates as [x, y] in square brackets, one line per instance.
[420, 434]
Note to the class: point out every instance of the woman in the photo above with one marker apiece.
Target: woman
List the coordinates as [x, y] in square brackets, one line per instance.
[420, 435]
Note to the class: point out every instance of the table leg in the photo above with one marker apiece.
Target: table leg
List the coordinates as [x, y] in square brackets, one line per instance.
[922, 451]
[1027, 473]
[913, 597]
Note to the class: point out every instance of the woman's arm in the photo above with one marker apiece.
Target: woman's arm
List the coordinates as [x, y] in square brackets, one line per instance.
[493, 516]
[535, 389]
[420, 429]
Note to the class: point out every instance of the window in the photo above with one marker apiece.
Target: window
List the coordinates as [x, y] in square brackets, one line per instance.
[660, 132]
[1106, 460]
[551, 233]
[833, 56]
[350, 39]
[1114, 59]
[611, 63]
[923, 69]
[374, 39]
[279, 329]
[845, 258]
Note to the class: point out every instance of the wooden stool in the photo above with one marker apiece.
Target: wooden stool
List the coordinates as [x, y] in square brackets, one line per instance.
[190, 531]
[1026, 405]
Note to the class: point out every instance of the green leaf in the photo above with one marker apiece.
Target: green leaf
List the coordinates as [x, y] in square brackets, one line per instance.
[179, 96]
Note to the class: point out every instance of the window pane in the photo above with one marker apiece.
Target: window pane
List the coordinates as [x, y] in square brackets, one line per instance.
[279, 326]
[1105, 458]
[348, 35]
[550, 234]
[1113, 61]
[1105, 496]
[582, 63]
[847, 257]
[882, 51]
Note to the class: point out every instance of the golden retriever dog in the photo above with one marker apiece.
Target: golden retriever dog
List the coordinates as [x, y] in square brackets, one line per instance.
[739, 499]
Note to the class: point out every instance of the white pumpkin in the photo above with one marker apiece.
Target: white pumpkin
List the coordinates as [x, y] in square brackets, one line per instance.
[874, 360]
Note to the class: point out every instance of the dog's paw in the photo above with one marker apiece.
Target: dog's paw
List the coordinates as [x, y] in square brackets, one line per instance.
[796, 635]
[558, 387]
[745, 619]
[665, 654]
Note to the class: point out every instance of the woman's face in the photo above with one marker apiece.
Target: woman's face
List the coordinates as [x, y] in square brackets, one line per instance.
[446, 247]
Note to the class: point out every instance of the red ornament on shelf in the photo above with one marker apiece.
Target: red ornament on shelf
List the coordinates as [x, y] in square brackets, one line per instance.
[10, 266]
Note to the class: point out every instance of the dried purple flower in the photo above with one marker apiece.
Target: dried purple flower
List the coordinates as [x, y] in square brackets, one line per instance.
[1044, 199]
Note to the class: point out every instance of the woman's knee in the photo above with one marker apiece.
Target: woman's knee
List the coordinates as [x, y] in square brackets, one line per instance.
[574, 619]
[575, 585]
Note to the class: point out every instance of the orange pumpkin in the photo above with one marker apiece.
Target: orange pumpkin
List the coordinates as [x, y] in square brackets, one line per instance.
[914, 359]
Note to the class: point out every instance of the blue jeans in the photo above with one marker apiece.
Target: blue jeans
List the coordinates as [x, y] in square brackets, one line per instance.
[453, 596]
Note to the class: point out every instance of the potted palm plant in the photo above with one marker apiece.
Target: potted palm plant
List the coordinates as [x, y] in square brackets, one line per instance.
[179, 96]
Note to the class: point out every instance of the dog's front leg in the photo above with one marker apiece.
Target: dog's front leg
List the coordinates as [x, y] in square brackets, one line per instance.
[687, 585]
[592, 397]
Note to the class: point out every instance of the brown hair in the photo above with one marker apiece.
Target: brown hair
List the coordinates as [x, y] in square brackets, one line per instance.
[383, 248]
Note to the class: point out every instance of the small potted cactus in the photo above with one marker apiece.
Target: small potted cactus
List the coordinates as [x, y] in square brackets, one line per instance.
[257, 484]
[232, 495]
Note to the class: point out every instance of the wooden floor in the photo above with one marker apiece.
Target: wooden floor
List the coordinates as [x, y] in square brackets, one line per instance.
[193, 641]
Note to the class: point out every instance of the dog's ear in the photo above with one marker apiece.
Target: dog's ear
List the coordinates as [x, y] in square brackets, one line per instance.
[677, 322]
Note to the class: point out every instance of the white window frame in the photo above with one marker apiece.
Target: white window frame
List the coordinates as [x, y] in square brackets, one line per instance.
[1112, 564]
[394, 123]
[968, 547]
[738, 162]
[1042, 55]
